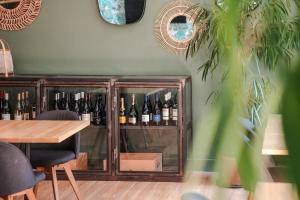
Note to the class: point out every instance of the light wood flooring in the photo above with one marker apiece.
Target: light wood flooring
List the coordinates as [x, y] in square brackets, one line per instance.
[117, 190]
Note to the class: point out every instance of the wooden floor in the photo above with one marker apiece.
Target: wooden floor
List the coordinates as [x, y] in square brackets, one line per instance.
[107, 190]
[116, 190]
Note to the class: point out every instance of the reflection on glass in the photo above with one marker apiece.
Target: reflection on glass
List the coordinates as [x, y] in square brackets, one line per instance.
[181, 28]
[149, 147]
[121, 12]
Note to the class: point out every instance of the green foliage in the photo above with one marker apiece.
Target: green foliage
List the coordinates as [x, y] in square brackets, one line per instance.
[290, 109]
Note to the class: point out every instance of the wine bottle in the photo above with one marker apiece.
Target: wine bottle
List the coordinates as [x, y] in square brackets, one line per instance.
[166, 111]
[6, 111]
[1, 102]
[81, 100]
[18, 108]
[145, 112]
[27, 107]
[23, 103]
[97, 112]
[150, 108]
[33, 112]
[85, 115]
[170, 102]
[175, 110]
[90, 105]
[76, 105]
[62, 103]
[156, 111]
[122, 117]
[133, 113]
[67, 104]
[56, 102]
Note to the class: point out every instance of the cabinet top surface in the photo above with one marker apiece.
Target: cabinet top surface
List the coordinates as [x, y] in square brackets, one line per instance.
[133, 78]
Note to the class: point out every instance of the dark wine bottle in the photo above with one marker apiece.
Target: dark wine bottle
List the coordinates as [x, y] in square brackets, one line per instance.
[76, 105]
[166, 111]
[18, 108]
[97, 112]
[90, 105]
[150, 108]
[133, 113]
[156, 111]
[63, 101]
[6, 111]
[85, 115]
[27, 108]
[145, 112]
[56, 102]
[175, 110]
[1, 102]
[67, 104]
[122, 116]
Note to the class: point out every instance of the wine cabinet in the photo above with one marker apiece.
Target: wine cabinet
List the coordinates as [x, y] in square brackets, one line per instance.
[141, 126]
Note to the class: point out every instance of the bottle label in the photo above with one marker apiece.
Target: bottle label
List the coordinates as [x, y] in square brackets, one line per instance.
[122, 120]
[18, 117]
[151, 116]
[5, 116]
[26, 116]
[156, 118]
[145, 118]
[165, 113]
[175, 114]
[86, 117]
[132, 120]
[33, 115]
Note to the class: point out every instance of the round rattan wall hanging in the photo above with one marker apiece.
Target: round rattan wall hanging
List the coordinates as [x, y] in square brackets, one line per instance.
[16, 15]
[174, 26]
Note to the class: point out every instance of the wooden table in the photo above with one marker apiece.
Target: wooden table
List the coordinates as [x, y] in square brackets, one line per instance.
[274, 143]
[39, 131]
[275, 191]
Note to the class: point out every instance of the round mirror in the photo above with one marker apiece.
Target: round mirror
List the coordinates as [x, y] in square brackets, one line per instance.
[174, 27]
[17, 14]
[10, 4]
[181, 28]
[121, 12]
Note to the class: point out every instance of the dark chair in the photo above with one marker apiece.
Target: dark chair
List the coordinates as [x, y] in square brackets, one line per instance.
[193, 196]
[16, 175]
[51, 157]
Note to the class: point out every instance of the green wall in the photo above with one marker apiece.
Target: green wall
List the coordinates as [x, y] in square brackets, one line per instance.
[69, 37]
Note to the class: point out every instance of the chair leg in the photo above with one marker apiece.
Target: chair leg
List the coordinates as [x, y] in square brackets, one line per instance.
[72, 180]
[30, 194]
[35, 189]
[8, 197]
[54, 183]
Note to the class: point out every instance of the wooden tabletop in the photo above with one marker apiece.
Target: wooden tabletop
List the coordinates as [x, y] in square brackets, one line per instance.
[275, 191]
[39, 131]
[274, 143]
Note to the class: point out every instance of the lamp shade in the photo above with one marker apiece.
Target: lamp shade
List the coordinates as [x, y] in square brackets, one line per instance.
[6, 62]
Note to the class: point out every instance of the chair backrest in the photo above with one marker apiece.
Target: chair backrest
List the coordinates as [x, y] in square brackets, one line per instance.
[70, 144]
[15, 170]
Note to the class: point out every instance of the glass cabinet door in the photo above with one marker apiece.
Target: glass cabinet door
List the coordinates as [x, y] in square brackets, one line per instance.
[18, 102]
[148, 130]
[91, 103]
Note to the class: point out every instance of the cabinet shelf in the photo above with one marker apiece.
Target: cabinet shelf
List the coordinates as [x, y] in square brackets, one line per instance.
[151, 127]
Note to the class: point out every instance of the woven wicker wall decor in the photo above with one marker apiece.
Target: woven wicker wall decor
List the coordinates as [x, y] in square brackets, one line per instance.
[21, 16]
[162, 27]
